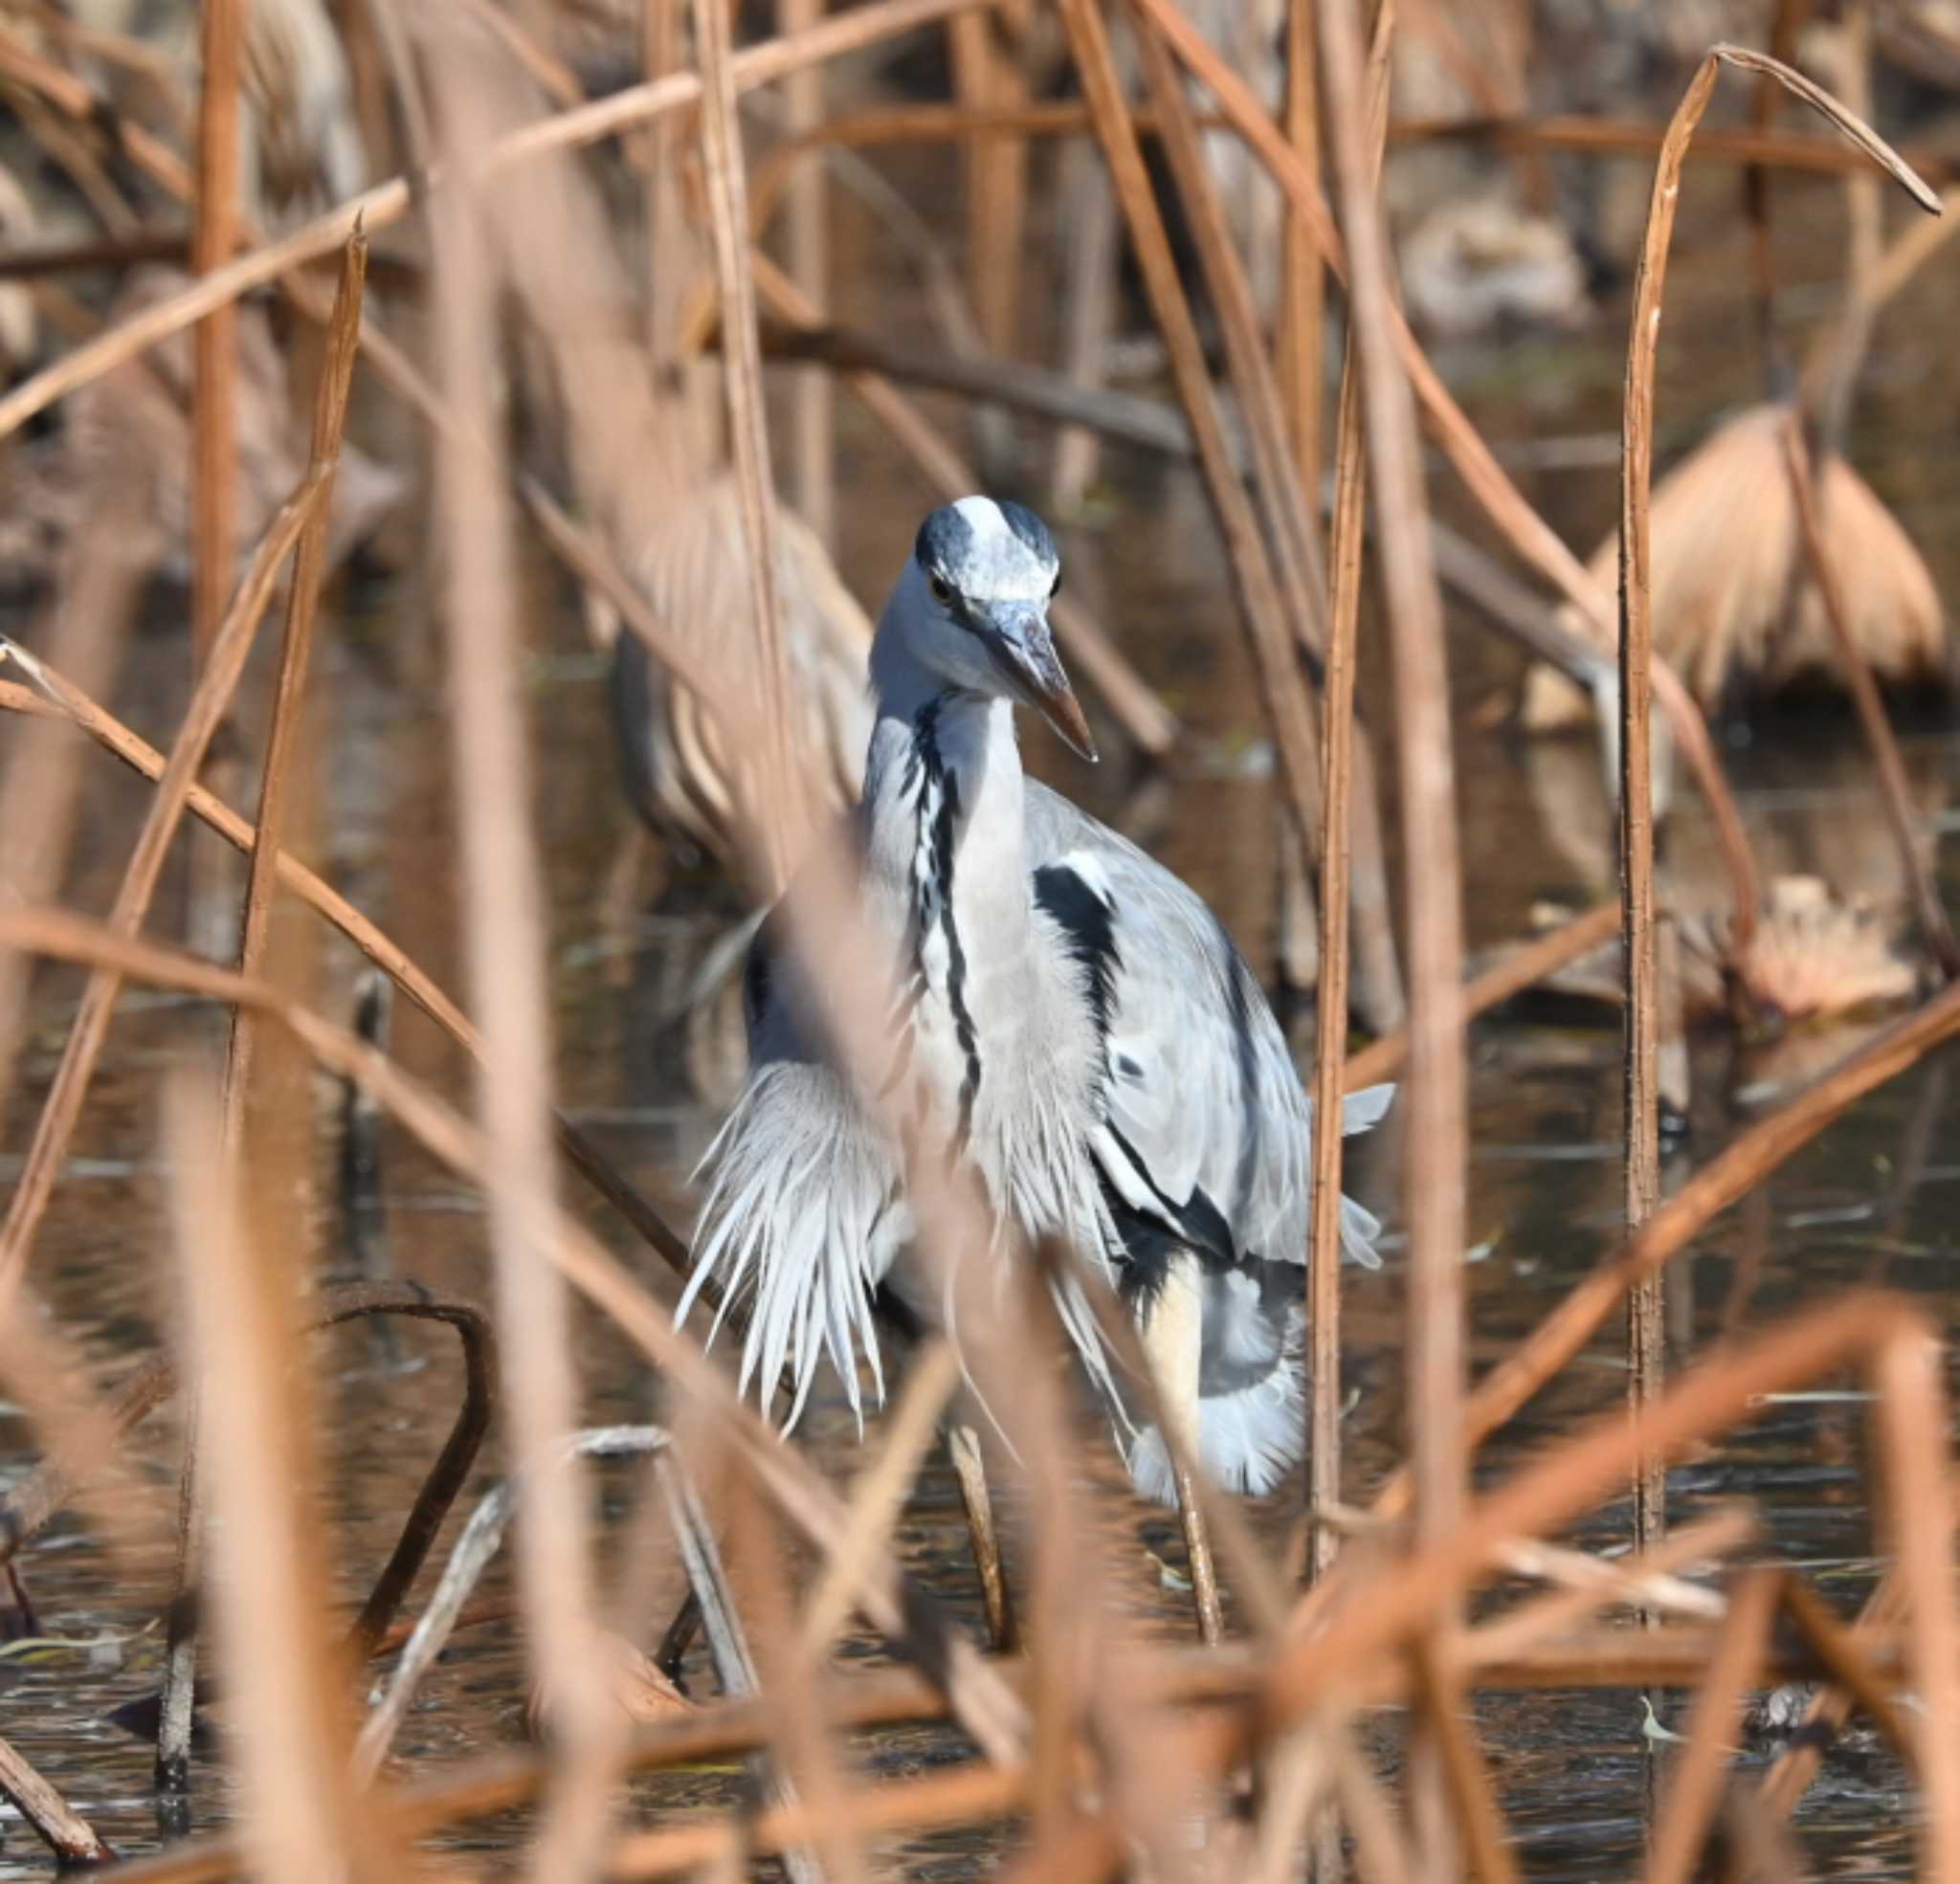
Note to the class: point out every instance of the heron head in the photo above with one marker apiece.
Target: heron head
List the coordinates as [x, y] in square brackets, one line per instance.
[981, 578]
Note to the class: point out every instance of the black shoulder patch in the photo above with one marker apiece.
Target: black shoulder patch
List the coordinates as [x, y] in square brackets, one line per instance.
[1088, 925]
[946, 541]
[1029, 528]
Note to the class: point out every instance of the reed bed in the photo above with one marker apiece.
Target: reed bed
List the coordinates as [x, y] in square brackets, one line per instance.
[1248, 1738]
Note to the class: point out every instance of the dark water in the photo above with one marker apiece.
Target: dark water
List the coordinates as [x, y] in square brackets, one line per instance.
[1872, 1200]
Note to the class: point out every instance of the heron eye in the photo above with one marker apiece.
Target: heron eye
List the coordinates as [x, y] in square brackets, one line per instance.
[942, 592]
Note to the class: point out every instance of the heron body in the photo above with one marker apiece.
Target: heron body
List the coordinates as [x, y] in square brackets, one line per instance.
[1078, 1023]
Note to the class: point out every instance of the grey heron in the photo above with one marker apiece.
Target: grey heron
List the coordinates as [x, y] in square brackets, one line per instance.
[1094, 1043]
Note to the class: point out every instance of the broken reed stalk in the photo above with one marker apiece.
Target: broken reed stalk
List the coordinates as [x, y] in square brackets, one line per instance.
[1142, 715]
[214, 236]
[302, 605]
[82, 1048]
[1282, 685]
[1895, 789]
[1337, 746]
[727, 184]
[1639, 944]
[986, 1707]
[1437, 1121]
[390, 201]
[504, 930]
[812, 448]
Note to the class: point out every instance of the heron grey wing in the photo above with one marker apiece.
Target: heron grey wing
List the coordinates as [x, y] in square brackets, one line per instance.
[1206, 1118]
[1203, 1095]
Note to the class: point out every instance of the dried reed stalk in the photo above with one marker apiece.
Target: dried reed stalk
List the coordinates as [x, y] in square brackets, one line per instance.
[297, 1811]
[1434, 1200]
[173, 1738]
[1639, 945]
[505, 950]
[1895, 791]
[1639, 949]
[1337, 720]
[82, 1048]
[214, 236]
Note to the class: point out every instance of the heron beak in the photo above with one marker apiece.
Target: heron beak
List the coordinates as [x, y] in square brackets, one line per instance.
[1022, 646]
